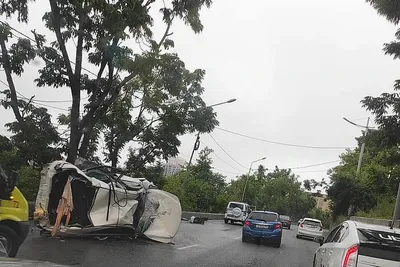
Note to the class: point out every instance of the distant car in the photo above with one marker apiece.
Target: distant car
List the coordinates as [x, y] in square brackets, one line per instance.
[286, 221]
[310, 228]
[237, 212]
[263, 225]
[358, 244]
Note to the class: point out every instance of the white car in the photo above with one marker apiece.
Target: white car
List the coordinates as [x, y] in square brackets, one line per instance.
[358, 244]
[310, 228]
[237, 212]
[102, 200]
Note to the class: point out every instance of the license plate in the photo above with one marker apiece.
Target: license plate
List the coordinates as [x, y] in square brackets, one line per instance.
[262, 226]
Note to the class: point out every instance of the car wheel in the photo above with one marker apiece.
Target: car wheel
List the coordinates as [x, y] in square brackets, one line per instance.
[244, 239]
[8, 241]
[277, 243]
[226, 221]
[297, 236]
[288, 227]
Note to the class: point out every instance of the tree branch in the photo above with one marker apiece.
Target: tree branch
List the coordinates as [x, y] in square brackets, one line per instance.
[57, 29]
[11, 85]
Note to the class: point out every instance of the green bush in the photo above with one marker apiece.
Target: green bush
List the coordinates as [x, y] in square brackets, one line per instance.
[324, 216]
[28, 182]
[383, 210]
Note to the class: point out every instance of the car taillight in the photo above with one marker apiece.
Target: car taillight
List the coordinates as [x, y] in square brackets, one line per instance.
[277, 226]
[301, 225]
[247, 223]
[350, 258]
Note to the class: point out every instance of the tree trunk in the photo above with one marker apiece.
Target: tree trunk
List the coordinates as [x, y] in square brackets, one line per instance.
[10, 81]
[75, 134]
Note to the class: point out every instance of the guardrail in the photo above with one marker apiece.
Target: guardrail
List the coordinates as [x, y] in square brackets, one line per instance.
[383, 222]
[210, 216]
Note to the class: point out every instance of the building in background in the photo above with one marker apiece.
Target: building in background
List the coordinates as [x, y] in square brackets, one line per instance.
[173, 166]
[323, 202]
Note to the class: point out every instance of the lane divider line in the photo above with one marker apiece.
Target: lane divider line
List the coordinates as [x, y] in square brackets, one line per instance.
[186, 247]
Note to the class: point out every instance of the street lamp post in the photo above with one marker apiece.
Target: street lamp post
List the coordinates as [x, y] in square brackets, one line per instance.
[197, 141]
[248, 176]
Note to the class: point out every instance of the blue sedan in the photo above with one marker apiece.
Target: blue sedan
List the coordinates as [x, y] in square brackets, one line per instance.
[263, 225]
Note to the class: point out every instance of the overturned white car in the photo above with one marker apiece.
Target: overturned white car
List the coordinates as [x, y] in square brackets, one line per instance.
[86, 199]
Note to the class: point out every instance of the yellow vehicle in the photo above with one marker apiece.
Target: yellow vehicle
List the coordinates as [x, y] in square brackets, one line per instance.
[14, 209]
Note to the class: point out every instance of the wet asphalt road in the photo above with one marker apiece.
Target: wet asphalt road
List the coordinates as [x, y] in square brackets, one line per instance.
[212, 244]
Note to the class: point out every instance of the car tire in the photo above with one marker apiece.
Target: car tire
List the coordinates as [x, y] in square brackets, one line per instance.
[244, 239]
[277, 244]
[288, 227]
[297, 236]
[10, 243]
[226, 221]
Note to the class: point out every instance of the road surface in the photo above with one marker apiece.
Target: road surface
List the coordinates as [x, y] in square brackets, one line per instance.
[211, 244]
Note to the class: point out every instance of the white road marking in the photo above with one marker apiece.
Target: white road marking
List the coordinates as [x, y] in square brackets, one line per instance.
[237, 237]
[191, 246]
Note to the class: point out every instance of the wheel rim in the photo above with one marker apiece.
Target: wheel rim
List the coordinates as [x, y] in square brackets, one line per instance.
[3, 246]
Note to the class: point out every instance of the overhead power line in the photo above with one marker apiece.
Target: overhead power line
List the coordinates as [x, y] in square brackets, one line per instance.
[281, 143]
[39, 102]
[314, 165]
[227, 152]
[233, 167]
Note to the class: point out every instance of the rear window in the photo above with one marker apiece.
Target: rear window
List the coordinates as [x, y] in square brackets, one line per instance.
[262, 216]
[285, 217]
[236, 205]
[311, 223]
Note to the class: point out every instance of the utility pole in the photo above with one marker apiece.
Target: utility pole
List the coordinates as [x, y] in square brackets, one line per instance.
[362, 149]
[197, 141]
[360, 158]
[396, 213]
[248, 176]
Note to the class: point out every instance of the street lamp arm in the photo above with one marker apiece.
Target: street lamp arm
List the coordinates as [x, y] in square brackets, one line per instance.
[357, 125]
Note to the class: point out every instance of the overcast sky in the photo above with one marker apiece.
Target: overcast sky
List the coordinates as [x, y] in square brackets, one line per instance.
[295, 67]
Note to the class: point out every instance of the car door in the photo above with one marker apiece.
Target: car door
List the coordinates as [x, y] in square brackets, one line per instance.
[335, 251]
[320, 254]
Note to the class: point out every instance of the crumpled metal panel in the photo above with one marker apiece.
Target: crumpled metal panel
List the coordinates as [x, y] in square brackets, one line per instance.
[162, 216]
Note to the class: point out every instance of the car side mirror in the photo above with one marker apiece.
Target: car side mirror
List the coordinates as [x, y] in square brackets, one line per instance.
[319, 240]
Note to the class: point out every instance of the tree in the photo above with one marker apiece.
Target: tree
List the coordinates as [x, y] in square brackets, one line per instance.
[170, 95]
[199, 188]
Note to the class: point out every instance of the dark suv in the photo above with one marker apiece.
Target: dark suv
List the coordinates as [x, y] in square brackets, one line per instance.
[286, 221]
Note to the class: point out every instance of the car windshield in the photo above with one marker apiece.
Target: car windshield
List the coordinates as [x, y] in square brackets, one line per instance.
[262, 216]
[311, 223]
[235, 205]
[285, 217]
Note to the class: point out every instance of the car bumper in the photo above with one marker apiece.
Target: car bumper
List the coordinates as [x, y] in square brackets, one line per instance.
[308, 233]
[24, 230]
[275, 235]
[286, 224]
[233, 218]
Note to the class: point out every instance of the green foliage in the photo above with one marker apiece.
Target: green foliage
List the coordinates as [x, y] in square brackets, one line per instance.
[28, 182]
[199, 189]
[324, 216]
[379, 175]
[152, 83]
[383, 209]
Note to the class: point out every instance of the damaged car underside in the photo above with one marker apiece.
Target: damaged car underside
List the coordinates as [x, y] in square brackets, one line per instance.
[88, 199]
